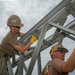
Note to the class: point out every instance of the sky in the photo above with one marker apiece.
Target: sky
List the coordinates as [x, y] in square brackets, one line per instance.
[30, 12]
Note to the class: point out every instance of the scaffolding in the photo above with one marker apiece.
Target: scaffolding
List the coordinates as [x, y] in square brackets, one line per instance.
[55, 18]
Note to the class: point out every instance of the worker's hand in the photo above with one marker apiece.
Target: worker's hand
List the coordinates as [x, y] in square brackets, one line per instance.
[33, 39]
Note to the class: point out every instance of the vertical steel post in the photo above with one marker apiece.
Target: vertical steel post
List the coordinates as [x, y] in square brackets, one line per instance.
[10, 70]
[20, 66]
[39, 64]
[37, 50]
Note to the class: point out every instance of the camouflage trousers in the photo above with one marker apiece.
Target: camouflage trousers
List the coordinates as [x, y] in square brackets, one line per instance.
[3, 66]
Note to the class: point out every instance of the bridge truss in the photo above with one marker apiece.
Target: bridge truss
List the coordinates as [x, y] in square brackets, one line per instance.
[54, 19]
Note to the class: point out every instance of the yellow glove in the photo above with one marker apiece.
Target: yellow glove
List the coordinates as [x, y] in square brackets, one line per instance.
[33, 38]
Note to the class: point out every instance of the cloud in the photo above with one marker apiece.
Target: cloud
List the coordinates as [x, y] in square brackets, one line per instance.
[30, 11]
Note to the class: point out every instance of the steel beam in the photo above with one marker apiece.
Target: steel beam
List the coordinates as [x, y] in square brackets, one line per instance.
[46, 18]
[37, 50]
[62, 28]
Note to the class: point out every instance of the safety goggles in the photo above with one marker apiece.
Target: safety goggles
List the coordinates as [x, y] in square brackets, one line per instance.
[16, 26]
[62, 50]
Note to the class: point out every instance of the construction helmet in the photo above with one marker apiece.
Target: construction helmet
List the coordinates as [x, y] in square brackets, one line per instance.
[14, 20]
[58, 47]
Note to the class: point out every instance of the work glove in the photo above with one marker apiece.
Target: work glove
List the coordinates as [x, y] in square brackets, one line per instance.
[33, 38]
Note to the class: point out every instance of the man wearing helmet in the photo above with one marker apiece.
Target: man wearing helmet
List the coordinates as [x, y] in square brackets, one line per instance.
[9, 42]
[57, 66]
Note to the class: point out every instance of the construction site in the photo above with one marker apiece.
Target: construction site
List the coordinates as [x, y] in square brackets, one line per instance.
[56, 19]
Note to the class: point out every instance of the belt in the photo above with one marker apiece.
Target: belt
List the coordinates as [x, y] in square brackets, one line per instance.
[2, 54]
[5, 55]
